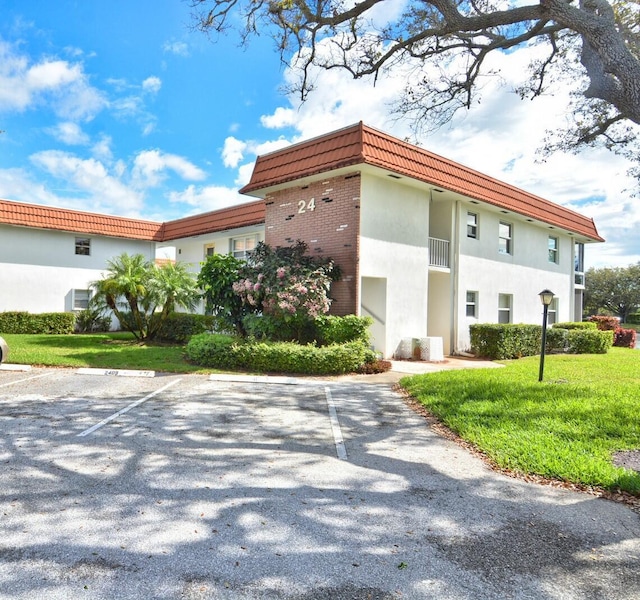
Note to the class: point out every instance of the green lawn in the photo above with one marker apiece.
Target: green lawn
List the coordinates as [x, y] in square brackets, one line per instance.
[101, 350]
[565, 428]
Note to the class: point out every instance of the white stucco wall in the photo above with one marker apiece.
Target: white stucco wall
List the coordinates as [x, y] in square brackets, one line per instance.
[394, 241]
[39, 268]
[523, 275]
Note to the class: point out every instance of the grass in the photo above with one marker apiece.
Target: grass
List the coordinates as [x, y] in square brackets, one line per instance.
[99, 350]
[565, 428]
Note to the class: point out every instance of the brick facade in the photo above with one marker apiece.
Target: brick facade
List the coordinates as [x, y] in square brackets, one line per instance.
[326, 215]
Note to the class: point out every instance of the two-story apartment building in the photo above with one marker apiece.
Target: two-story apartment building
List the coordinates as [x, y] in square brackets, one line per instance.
[426, 246]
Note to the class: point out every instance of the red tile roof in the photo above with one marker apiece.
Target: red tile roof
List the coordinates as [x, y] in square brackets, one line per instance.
[47, 217]
[63, 219]
[359, 144]
[242, 215]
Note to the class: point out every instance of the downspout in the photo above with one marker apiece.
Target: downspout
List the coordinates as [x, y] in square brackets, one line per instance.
[453, 261]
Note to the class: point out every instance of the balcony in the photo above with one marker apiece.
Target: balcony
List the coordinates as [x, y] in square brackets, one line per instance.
[438, 253]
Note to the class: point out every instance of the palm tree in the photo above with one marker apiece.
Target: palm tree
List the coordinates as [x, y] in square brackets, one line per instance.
[142, 295]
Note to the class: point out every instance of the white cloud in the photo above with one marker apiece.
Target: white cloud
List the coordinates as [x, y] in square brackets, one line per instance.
[63, 85]
[90, 178]
[102, 148]
[207, 198]
[178, 48]
[244, 174]
[233, 152]
[151, 166]
[152, 84]
[282, 117]
[69, 133]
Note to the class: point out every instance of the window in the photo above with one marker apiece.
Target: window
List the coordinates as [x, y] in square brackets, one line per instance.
[504, 308]
[578, 261]
[553, 249]
[505, 245]
[81, 299]
[83, 246]
[552, 312]
[472, 304]
[209, 250]
[241, 245]
[472, 225]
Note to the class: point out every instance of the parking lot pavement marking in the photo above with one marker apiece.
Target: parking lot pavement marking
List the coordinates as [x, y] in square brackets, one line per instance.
[341, 451]
[26, 379]
[256, 379]
[116, 372]
[126, 409]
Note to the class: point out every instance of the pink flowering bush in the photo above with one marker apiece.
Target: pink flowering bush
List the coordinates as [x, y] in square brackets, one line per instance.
[287, 288]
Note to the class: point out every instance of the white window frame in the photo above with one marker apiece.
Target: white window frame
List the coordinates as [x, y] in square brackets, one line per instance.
[508, 239]
[242, 254]
[578, 264]
[80, 299]
[471, 304]
[505, 308]
[83, 246]
[473, 227]
[552, 312]
[553, 249]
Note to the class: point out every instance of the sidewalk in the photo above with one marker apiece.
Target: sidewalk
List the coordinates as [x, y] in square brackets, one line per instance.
[403, 368]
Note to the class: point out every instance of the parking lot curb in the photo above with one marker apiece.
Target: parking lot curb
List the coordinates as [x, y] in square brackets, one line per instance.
[115, 372]
[11, 367]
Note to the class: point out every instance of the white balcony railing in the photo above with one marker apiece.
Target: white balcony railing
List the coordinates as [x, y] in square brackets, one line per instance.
[438, 253]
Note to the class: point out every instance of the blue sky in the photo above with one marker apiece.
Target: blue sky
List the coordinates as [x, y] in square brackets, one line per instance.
[121, 108]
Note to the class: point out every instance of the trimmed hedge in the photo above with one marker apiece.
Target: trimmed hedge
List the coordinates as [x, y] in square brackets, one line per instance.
[624, 338]
[586, 341]
[24, 322]
[227, 352]
[180, 327]
[576, 325]
[605, 322]
[508, 341]
[339, 330]
[505, 341]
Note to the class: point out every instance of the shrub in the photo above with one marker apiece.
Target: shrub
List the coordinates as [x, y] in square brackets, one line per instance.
[624, 338]
[179, 327]
[377, 366]
[90, 320]
[505, 341]
[586, 341]
[25, 322]
[557, 339]
[226, 352]
[604, 322]
[338, 330]
[576, 325]
[212, 350]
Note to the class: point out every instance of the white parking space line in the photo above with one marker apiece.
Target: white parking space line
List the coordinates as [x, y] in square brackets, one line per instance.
[23, 380]
[257, 379]
[126, 409]
[341, 451]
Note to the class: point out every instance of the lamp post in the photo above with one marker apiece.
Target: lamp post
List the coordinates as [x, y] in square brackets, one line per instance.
[546, 297]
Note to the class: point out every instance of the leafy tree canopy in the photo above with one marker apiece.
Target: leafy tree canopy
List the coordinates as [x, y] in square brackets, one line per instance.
[592, 47]
[614, 290]
[142, 295]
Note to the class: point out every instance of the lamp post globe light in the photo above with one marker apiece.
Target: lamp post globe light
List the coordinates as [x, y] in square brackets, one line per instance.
[546, 297]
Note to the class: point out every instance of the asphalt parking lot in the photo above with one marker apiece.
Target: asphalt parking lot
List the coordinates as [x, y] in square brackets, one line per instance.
[183, 487]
